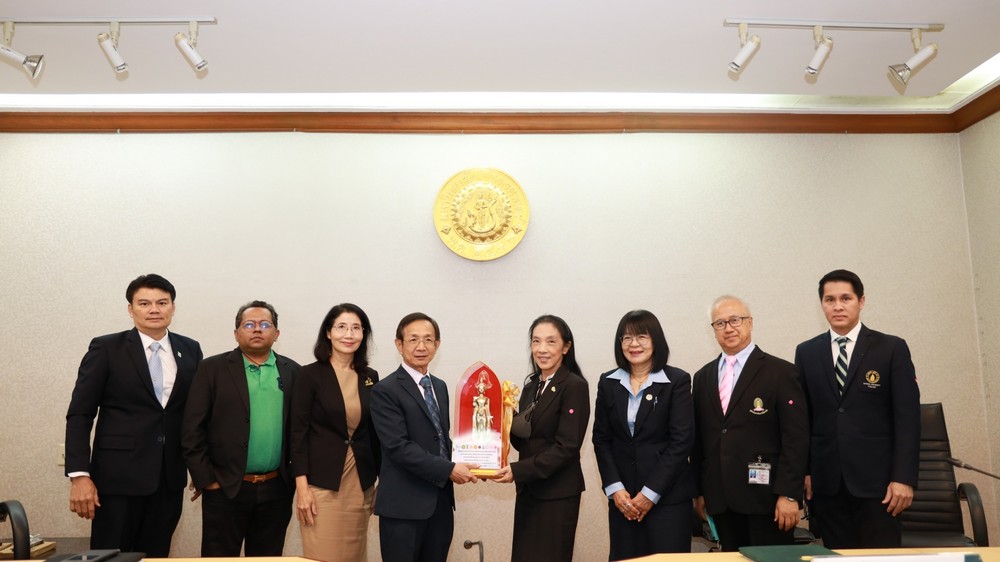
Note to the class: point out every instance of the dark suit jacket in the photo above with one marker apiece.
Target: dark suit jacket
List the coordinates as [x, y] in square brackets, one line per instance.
[871, 435]
[548, 465]
[413, 472]
[776, 430]
[135, 435]
[217, 421]
[657, 455]
[319, 428]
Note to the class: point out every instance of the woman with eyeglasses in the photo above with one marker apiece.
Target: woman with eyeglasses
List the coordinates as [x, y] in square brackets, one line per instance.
[549, 480]
[643, 435]
[334, 450]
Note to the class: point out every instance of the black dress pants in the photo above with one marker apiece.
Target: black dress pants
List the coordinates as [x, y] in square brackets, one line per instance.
[258, 516]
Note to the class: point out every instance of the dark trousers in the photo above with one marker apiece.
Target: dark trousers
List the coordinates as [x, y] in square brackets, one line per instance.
[849, 522]
[740, 529]
[419, 540]
[666, 528]
[138, 523]
[544, 529]
[259, 515]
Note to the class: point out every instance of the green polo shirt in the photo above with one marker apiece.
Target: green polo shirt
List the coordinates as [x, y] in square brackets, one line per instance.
[266, 401]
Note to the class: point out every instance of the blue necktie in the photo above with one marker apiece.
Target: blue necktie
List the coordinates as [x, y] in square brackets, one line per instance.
[435, 413]
[156, 370]
[842, 363]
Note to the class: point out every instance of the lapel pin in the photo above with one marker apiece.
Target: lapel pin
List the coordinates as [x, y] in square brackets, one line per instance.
[571, 410]
[553, 388]
[649, 397]
[368, 381]
[179, 354]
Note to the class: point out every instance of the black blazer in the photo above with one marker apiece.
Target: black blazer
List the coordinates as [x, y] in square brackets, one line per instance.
[775, 429]
[657, 455]
[871, 435]
[548, 465]
[135, 435]
[319, 428]
[217, 421]
[413, 472]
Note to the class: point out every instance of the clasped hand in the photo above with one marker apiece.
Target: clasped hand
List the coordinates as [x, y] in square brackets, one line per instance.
[633, 508]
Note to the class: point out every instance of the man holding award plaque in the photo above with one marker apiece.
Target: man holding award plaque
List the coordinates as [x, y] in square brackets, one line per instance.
[416, 499]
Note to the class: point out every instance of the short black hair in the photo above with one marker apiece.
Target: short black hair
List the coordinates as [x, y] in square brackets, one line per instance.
[637, 323]
[149, 281]
[323, 349]
[256, 304]
[416, 317]
[843, 275]
[569, 359]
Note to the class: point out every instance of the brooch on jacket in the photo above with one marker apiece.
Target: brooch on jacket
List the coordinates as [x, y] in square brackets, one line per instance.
[368, 381]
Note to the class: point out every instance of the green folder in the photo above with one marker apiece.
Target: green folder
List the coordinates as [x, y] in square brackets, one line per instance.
[785, 553]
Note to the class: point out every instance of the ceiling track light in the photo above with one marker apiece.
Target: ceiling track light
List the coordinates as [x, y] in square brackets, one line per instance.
[748, 46]
[824, 44]
[32, 64]
[901, 72]
[187, 46]
[108, 40]
[109, 44]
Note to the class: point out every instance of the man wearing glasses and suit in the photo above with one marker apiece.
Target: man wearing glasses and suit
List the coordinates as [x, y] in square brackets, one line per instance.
[752, 436]
[235, 440]
[416, 498]
[135, 383]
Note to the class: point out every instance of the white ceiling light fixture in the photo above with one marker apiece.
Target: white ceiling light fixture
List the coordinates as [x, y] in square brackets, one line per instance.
[32, 64]
[108, 40]
[901, 72]
[109, 44]
[824, 44]
[187, 46]
[748, 46]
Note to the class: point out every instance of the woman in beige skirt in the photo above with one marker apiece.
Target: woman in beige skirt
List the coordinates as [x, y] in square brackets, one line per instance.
[334, 450]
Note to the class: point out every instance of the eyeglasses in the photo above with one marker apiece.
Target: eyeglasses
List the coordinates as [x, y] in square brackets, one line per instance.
[250, 325]
[345, 328]
[735, 322]
[642, 340]
[414, 342]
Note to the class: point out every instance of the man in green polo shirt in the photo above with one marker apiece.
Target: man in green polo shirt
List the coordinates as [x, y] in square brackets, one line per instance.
[235, 440]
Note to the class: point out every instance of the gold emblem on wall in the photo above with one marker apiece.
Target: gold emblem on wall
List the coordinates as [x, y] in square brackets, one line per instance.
[481, 214]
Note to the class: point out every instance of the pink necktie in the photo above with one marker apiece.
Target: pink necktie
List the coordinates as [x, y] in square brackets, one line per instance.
[726, 385]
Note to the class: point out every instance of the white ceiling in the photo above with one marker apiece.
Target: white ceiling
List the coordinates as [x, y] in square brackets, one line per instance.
[519, 55]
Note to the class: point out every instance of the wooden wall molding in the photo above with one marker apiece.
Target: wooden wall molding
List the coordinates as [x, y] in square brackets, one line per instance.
[499, 123]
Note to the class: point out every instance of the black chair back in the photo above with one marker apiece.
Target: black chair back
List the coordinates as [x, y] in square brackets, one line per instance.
[19, 528]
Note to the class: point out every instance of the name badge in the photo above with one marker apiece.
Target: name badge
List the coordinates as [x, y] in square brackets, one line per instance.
[759, 473]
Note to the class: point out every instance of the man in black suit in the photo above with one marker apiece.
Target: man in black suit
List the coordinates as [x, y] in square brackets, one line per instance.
[136, 384]
[865, 418]
[235, 440]
[752, 438]
[416, 499]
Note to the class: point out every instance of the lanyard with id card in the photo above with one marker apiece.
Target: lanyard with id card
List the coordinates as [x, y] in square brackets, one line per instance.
[759, 472]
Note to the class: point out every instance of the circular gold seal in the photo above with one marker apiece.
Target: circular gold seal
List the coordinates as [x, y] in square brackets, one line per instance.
[481, 214]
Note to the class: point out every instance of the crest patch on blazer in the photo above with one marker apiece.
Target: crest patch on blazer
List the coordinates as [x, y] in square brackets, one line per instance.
[871, 379]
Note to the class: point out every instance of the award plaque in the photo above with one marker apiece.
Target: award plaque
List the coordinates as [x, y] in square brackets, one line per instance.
[483, 413]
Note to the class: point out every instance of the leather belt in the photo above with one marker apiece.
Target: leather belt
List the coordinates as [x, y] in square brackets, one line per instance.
[258, 478]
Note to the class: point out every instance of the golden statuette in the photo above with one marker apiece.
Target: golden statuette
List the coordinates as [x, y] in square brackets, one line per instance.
[481, 214]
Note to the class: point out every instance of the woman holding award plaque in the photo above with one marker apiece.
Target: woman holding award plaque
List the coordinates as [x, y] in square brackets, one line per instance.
[643, 435]
[548, 433]
[335, 452]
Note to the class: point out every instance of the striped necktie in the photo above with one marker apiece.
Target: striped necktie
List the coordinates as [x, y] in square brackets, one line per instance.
[841, 366]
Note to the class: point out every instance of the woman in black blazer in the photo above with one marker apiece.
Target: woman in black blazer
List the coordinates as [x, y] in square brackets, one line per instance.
[547, 473]
[335, 452]
[643, 436]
